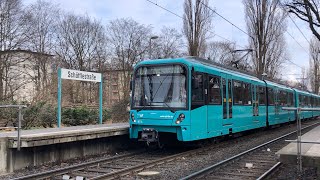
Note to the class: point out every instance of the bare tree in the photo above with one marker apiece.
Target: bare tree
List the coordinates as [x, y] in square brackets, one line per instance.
[307, 11]
[11, 38]
[221, 52]
[225, 53]
[42, 18]
[81, 45]
[168, 45]
[314, 63]
[196, 25]
[128, 43]
[266, 26]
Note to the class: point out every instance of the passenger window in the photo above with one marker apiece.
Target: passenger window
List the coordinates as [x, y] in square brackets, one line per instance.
[197, 87]
[290, 99]
[283, 98]
[247, 94]
[270, 96]
[237, 91]
[214, 90]
[301, 100]
[262, 96]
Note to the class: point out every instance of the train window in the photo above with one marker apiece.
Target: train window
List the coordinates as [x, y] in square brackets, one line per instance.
[214, 90]
[237, 92]
[197, 87]
[262, 96]
[290, 99]
[301, 100]
[246, 94]
[271, 96]
[283, 98]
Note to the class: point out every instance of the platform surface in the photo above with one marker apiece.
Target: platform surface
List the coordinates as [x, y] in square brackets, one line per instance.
[39, 137]
[310, 152]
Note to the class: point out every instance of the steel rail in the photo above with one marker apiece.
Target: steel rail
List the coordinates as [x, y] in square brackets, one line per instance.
[208, 169]
[126, 171]
[63, 170]
[267, 173]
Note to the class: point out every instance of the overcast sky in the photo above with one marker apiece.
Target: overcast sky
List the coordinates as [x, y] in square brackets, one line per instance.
[146, 13]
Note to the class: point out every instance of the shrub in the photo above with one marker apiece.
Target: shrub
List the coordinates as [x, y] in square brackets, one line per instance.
[119, 111]
[79, 116]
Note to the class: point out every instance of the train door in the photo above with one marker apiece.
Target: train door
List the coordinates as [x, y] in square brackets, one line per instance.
[255, 103]
[198, 105]
[214, 104]
[276, 105]
[226, 100]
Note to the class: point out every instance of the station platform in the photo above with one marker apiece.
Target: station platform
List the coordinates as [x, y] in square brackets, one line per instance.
[51, 145]
[40, 137]
[310, 153]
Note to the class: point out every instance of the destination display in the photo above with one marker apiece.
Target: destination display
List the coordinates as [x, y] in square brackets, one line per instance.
[80, 75]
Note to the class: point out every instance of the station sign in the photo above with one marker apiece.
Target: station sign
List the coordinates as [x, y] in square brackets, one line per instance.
[80, 75]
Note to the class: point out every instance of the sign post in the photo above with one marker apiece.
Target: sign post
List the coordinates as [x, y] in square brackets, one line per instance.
[79, 76]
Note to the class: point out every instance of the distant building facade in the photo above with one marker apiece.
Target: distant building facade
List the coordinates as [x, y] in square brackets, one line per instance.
[23, 74]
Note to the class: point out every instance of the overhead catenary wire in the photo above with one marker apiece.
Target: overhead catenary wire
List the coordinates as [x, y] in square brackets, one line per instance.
[156, 4]
[299, 29]
[214, 11]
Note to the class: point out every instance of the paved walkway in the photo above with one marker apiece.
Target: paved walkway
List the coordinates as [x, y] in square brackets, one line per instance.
[63, 130]
[310, 152]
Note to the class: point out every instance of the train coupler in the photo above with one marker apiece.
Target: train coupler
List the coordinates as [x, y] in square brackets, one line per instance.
[149, 135]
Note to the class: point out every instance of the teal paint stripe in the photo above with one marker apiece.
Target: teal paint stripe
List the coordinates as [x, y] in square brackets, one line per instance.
[100, 99]
[59, 98]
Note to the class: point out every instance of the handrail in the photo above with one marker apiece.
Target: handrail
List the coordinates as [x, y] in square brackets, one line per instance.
[19, 120]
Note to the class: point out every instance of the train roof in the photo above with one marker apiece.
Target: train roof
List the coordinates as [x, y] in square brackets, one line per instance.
[195, 61]
[278, 85]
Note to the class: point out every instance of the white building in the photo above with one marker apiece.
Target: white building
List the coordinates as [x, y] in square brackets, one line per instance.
[24, 73]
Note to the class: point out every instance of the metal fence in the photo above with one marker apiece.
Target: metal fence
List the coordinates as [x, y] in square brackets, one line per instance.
[298, 140]
[20, 118]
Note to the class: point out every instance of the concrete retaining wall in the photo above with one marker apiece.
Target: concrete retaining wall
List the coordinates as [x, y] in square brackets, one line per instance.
[11, 159]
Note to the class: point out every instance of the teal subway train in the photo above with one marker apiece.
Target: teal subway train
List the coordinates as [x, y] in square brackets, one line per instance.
[192, 99]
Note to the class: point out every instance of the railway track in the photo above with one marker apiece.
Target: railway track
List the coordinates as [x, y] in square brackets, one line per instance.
[128, 165]
[107, 168]
[256, 163]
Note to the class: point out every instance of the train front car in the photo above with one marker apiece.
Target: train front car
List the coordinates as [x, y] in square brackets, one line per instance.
[159, 104]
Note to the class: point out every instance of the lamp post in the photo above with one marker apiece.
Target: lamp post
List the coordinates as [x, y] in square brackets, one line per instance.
[152, 37]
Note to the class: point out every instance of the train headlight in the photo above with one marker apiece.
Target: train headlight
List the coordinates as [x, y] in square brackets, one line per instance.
[180, 118]
[132, 117]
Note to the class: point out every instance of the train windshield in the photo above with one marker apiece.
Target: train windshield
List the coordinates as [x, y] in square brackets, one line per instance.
[160, 87]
